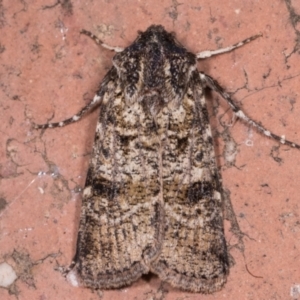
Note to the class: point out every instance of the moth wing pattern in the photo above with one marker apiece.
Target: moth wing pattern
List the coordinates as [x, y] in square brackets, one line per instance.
[152, 199]
[194, 254]
[121, 211]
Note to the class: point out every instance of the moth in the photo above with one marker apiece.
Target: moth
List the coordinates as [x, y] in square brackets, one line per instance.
[152, 200]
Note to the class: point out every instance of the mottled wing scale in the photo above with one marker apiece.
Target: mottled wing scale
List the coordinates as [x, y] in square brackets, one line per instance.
[152, 190]
[152, 199]
[194, 255]
[122, 215]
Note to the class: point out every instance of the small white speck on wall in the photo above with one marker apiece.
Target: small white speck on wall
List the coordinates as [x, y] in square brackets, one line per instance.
[7, 275]
[73, 279]
[295, 291]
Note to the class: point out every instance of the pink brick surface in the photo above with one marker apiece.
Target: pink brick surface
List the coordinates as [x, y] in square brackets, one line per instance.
[48, 70]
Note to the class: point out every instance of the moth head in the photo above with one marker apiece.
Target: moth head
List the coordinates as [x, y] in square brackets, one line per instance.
[155, 63]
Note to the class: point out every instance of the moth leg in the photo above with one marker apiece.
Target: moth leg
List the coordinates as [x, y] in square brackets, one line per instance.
[107, 86]
[209, 53]
[73, 119]
[214, 85]
[100, 43]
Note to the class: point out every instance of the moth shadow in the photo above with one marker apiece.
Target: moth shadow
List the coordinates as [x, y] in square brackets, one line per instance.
[217, 110]
[149, 277]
